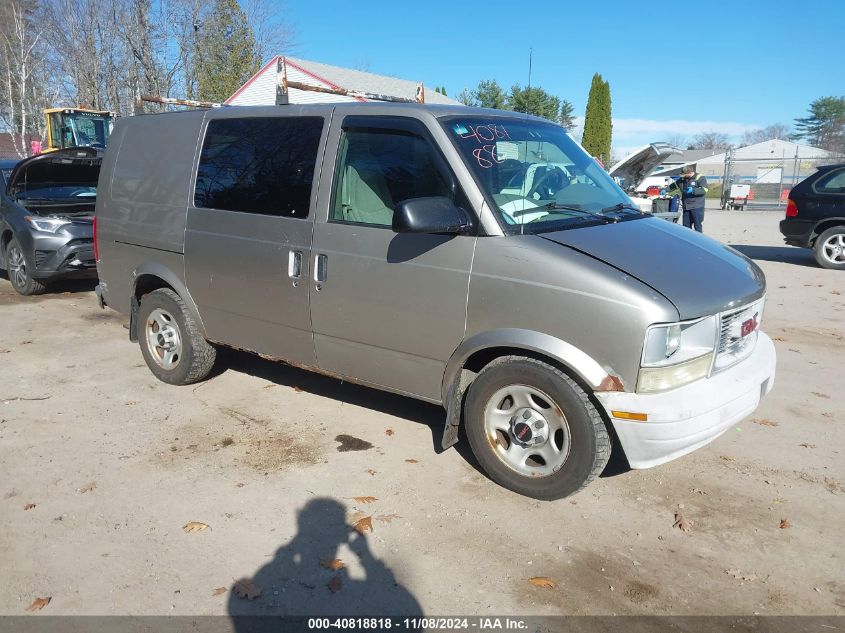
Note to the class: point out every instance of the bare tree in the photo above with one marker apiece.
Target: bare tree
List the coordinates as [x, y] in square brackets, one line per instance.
[774, 131]
[274, 35]
[21, 39]
[677, 140]
[710, 140]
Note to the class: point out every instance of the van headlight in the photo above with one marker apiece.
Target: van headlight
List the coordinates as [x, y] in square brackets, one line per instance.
[47, 225]
[675, 354]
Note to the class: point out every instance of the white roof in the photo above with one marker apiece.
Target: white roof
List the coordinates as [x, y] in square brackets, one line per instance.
[260, 89]
[775, 149]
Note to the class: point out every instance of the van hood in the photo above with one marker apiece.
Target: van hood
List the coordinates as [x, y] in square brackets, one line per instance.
[699, 275]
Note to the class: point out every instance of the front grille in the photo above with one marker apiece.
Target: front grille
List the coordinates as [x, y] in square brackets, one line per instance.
[737, 334]
[41, 257]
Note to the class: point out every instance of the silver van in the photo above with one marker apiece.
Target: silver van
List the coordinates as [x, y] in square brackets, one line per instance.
[472, 258]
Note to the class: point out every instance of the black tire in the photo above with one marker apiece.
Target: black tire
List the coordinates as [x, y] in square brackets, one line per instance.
[819, 247]
[196, 355]
[589, 448]
[19, 271]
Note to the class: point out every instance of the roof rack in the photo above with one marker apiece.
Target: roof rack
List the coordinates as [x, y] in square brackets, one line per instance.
[180, 102]
[282, 87]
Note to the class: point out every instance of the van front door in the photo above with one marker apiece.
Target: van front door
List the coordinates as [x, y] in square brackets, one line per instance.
[248, 236]
[386, 308]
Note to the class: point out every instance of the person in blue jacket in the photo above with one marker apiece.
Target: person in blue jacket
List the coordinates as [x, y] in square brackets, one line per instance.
[692, 188]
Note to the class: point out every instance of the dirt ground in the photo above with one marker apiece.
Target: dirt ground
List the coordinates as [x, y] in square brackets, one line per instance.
[101, 466]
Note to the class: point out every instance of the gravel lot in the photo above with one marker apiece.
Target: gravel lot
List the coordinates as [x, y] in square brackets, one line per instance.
[101, 466]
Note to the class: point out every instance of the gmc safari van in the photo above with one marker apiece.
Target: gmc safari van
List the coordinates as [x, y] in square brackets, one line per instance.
[399, 246]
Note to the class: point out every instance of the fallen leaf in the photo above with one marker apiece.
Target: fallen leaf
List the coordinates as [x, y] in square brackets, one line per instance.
[194, 526]
[820, 395]
[26, 342]
[297, 389]
[835, 292]
[131, 403]
[270, 386]
[334, 564]
[371, 471]
[39, 603]
[727, 458]
[335, 584]
[698, 491]
[778, 338]
[764, 422]
[5, 351]
[365, 499]
[806, 445]
[362, 525]
[245, 588]
[388, 432]
[784, 524]
[240, 484]
[218, 591]
[29, 506]
[386, 518]
[543, 582]
[87, 487]
[682, 523]
[412, 461]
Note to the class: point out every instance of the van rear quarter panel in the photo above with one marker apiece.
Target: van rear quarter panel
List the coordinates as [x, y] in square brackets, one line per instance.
[146, 175]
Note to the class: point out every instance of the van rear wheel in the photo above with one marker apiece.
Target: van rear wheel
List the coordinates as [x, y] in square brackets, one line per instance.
[534, 430]
[171, 343]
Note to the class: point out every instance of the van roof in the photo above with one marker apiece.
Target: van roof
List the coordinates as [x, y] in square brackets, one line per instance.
[437, 110]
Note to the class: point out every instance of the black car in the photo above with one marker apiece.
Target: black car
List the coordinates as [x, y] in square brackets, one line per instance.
[46, 218]
[815, 216]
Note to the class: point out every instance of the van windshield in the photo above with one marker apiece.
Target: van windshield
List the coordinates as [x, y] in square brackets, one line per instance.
[535, 177]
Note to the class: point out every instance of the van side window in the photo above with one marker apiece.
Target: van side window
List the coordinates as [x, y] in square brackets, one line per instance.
[259, 165]
[378, 168]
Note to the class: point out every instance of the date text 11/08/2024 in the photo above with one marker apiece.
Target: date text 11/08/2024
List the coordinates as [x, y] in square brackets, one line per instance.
[416, 624]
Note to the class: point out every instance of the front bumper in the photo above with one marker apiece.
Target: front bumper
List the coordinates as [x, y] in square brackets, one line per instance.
[72, 257]
[685, 419]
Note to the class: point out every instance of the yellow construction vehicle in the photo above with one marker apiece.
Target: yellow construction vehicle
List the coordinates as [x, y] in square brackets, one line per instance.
[77, 127]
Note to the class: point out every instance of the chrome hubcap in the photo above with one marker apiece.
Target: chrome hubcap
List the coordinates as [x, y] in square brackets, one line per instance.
[163, 339]
[17, 267]
[527, 430]
[833, 249]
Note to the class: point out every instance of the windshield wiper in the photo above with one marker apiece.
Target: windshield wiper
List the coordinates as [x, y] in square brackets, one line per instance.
[620, 206]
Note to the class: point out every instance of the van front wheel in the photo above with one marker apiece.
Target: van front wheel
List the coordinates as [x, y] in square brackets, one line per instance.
[171, 343]
[534, 430]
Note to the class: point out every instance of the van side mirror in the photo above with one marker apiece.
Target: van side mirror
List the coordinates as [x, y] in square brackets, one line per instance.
[436, 214]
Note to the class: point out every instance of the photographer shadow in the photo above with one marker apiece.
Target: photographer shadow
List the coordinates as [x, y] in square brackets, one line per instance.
[299, 580]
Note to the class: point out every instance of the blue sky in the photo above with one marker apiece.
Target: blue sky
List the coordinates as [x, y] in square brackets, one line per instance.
[673, 68]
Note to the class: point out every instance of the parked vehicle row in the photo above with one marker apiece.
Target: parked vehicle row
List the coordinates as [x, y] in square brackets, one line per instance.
[466, 257]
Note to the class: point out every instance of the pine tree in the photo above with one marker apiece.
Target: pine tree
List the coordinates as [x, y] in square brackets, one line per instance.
[534, 101]
[825, 125]
[489, 94]
[598, 127]
[225, 55]
[567, 115]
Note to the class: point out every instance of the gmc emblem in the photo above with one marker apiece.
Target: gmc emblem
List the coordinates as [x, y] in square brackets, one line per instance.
[749, 326]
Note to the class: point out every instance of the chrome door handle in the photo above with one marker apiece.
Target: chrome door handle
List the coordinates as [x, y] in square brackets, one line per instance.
[295, 264]
[320, 268]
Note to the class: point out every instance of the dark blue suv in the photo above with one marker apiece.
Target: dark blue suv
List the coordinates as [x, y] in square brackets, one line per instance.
[815, 216]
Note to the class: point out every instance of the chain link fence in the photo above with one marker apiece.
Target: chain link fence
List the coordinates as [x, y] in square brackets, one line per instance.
[759, 181]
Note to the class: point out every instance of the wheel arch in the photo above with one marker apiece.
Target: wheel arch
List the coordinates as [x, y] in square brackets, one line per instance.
[824, 225]
[153, 276]
[477, 351]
